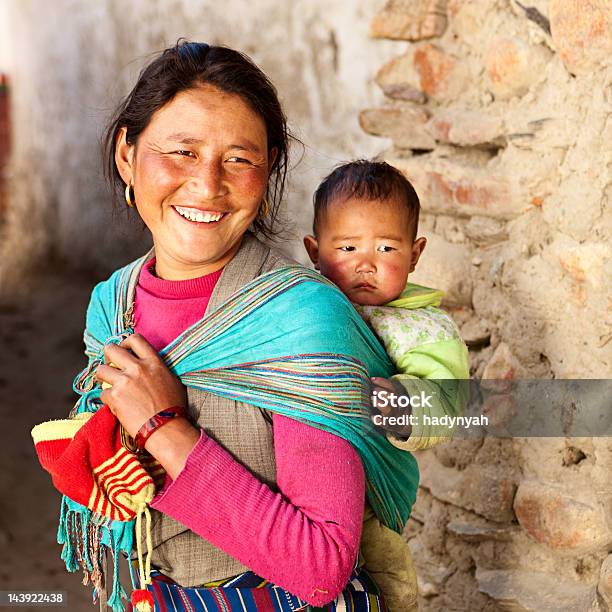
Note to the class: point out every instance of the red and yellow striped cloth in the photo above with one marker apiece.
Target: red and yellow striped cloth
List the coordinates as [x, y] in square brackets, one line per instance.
[89, 464]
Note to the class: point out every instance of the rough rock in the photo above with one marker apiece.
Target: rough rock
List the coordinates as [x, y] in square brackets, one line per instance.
[604, 588]
[471, 532]
[466, 128]
[453, 188]
[476, 332]
[485, 230]
[403, 91]
[399, 72]
[410, 20]
[404, 125]
[467, 18]
[485, 490]
[582, 33]
[584, 263]
[503, 365]
[440, 74]
[513, 66]
[442, 265]
[562, 522]
[535, 591]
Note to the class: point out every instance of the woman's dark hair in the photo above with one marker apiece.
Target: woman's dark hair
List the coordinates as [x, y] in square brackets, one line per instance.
[183, 67]
[366, 180]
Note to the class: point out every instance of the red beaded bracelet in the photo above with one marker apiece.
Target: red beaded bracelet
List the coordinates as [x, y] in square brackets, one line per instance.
[155, 422]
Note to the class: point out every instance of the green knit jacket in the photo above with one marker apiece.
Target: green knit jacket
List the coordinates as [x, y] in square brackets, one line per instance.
[424, 344]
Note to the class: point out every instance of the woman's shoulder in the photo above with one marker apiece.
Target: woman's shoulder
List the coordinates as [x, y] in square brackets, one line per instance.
[273, 258]
[105, 293]
[121, 275]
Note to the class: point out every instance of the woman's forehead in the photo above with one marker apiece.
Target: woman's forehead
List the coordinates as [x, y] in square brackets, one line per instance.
[195, 114]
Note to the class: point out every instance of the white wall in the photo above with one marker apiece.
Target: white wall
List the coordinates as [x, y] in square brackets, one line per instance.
[75, 59]
[5, 46]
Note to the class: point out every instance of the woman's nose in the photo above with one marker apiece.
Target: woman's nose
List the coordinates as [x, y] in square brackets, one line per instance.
[207, 179]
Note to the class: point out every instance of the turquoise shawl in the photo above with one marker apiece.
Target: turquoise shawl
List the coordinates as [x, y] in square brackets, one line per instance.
[288, 341]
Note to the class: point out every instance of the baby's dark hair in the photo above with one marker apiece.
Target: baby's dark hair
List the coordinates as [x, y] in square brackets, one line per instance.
[365, 180]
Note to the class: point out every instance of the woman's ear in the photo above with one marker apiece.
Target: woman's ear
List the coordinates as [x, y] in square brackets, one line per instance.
[124, 156]
[272, 157]
[312, 248]
[418, 246]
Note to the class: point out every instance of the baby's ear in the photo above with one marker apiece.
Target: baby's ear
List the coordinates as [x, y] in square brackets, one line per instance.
[312, 248]
[418, 246]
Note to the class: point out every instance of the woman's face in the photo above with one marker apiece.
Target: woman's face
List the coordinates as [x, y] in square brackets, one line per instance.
[199, 172]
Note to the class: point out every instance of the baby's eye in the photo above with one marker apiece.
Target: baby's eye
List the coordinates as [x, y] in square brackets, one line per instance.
[384, 248]
[347, 248]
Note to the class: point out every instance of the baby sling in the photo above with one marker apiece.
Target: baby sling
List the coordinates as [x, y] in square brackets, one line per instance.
[288, 341]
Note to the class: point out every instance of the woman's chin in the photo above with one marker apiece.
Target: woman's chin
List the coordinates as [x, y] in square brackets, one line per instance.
[200, 258]
[190, 257]
[191, 246]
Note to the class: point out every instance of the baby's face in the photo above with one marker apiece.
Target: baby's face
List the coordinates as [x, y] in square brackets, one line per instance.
[366, 248]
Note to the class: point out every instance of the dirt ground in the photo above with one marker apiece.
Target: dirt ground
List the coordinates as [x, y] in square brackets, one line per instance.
[41, 351]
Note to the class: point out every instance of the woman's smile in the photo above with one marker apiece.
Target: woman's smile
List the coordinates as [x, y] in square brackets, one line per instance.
[200, 216]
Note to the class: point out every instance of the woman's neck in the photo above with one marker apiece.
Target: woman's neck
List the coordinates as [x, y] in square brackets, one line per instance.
[168, 268]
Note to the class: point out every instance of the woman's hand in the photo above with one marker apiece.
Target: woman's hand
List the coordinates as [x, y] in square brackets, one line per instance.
[141, 384]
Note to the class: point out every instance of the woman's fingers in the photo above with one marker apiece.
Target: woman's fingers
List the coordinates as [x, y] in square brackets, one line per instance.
[108, 374]
[119, 356]
[140, 347]
[129, 352]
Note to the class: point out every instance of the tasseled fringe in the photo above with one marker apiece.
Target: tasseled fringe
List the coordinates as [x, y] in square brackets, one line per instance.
[141, 599]
[118, 593]
[81, 537]
[65, 536]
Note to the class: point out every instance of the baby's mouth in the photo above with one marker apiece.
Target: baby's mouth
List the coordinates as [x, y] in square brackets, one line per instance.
[199, 216]
[365, 285]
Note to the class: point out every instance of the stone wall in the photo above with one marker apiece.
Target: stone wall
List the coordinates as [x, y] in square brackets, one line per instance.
[70, 62]
[499, 112]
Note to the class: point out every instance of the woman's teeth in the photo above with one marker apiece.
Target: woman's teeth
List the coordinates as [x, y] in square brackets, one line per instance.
[197, 215]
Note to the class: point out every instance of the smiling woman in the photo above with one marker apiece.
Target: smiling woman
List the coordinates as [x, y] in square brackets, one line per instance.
[218, 145]
[215, 359]
[199, 189]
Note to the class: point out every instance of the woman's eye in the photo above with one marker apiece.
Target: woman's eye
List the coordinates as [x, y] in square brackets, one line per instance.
[185, 153]
[238, 160]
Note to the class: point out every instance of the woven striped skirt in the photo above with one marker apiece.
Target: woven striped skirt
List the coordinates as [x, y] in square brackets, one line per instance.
[249, 592]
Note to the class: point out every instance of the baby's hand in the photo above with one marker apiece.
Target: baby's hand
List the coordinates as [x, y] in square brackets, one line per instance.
[389, 386]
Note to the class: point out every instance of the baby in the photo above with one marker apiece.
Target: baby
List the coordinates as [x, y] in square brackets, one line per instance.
[364, 239]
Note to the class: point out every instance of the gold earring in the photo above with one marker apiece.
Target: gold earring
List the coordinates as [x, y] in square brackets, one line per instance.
[128, 195]
[265, 208]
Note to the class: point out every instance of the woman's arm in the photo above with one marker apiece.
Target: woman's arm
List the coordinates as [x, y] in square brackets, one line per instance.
[305, 538]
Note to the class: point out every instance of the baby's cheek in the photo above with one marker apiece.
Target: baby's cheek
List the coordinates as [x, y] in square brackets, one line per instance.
[335, 271]
[395, 278]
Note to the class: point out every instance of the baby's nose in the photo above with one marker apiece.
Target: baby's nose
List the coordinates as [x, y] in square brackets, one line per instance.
[366, 265]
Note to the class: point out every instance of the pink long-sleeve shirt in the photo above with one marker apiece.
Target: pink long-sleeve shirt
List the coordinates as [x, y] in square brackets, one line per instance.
[303, 538]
